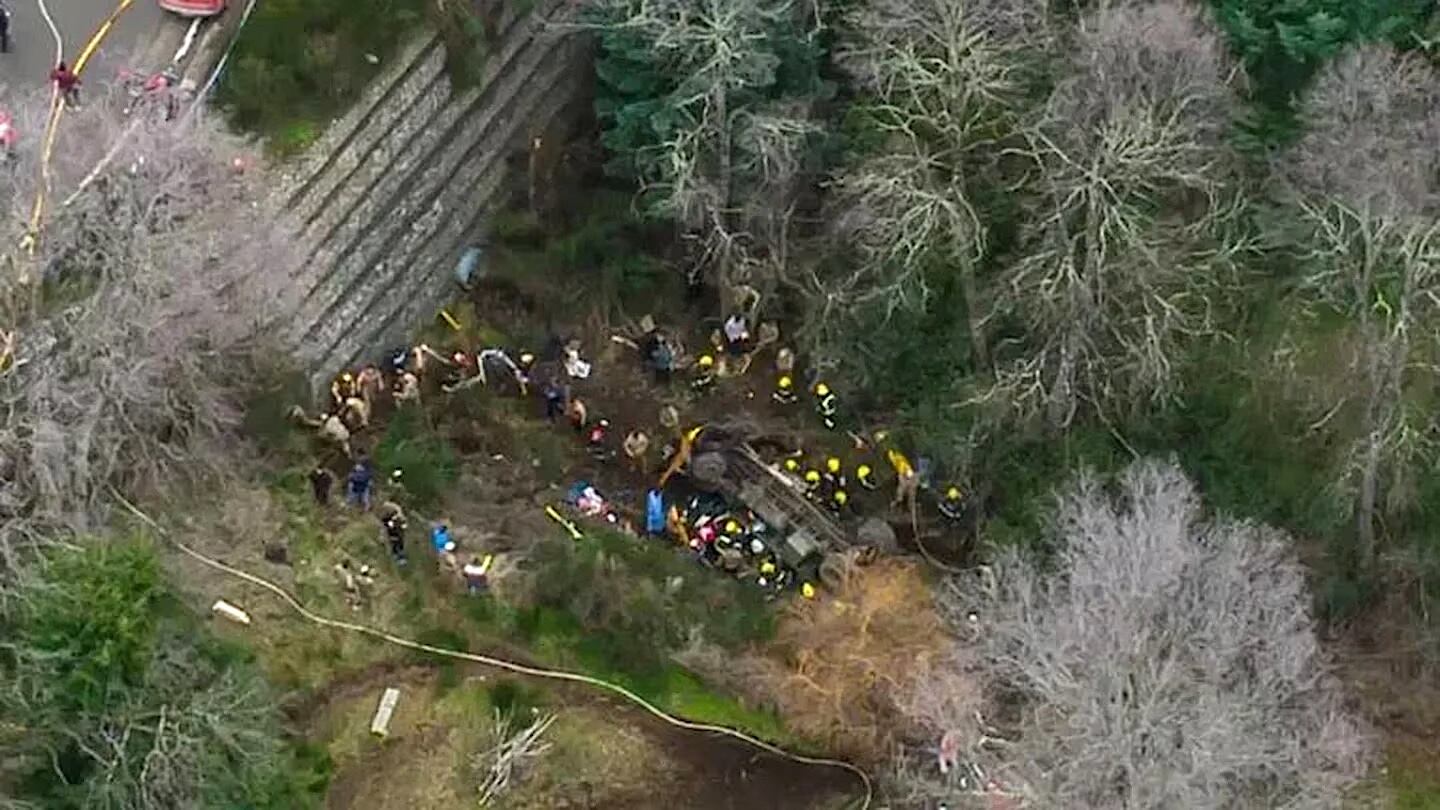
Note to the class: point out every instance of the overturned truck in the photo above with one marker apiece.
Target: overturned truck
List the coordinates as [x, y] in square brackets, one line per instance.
[810, 537]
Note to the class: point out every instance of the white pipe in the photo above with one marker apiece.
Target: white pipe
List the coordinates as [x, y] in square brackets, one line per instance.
[54, 31]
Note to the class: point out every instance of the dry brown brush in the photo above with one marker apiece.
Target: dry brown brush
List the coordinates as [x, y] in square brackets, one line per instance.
[157, 261]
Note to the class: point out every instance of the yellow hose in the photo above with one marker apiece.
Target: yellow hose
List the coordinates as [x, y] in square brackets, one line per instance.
[57, 110]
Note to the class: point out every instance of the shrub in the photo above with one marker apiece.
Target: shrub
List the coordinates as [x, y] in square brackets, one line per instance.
[411, 445]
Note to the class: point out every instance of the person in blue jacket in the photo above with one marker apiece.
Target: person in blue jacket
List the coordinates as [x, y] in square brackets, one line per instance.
[655, 513]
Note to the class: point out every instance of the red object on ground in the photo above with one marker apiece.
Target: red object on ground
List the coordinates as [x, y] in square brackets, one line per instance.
[193, 8]
[8, 135]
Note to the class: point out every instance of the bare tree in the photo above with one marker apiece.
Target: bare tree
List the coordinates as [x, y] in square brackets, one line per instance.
[1364, 183]
[1124, 238]
[726, 173]
[1162, 659]
[136, 311]
[943, 77]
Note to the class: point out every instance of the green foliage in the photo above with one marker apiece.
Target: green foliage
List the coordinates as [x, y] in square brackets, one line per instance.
[300, 62]
[646, 95]
[94, 623]
[622, 591]
[125, 700]
[515, 698]
[1283, 43]
[1413, 787]
[412, 445]
[606, 247]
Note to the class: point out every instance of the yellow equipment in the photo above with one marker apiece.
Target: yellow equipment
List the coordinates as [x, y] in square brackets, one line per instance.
[565, 522]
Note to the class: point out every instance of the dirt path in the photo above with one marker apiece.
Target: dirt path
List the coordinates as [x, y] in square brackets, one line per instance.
[712, 773]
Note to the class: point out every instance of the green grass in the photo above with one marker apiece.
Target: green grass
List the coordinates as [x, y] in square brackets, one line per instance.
[1413, 789]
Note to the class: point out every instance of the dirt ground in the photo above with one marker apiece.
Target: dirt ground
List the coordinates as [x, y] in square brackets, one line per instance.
[604, 754]
[621, 390]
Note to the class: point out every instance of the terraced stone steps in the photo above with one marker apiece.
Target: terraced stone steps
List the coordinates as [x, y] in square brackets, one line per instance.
[314, 161]
[428, 282]
[376, 231]
[396, 189]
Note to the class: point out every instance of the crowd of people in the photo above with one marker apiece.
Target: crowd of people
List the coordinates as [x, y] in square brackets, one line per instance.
[727, 536]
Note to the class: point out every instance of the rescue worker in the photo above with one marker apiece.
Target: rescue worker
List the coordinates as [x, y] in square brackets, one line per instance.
[866, 476]
[476, 574]
[839, 502]
[704, 377]
[321, 480]
[342, 388]
[458, 370]
[768, 333]
[784, 361]
[407, 388]
[906, 479]
[767, 573]
[356, 414]
[526, 368]
[358, 483]
[349, 583]
[67, 83]
[577, 414]
[444, 545]
[556, 400]
[4, 29]
[785, 390]
[670, 418]
[792, 467]
[812, 482]
[398, 360]
[636, 446]
[825, 405]
[952, 503]
[737, 335]
[834, 474]
[370, 383]
[595, 440]
[392, 519]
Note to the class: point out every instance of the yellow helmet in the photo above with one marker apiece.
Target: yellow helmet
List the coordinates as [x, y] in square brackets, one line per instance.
[822, 390]
[863, 471]
[953, 493]
[526, 358]
[345, 377]
[807, 590]
[841, 497]
[786, 383]
[791, 465]
[813, 476]
[731, 527]
[767, 567]
[832, 464]
[706, 361]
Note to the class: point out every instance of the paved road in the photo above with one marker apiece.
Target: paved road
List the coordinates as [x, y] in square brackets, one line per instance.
[32, 48]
